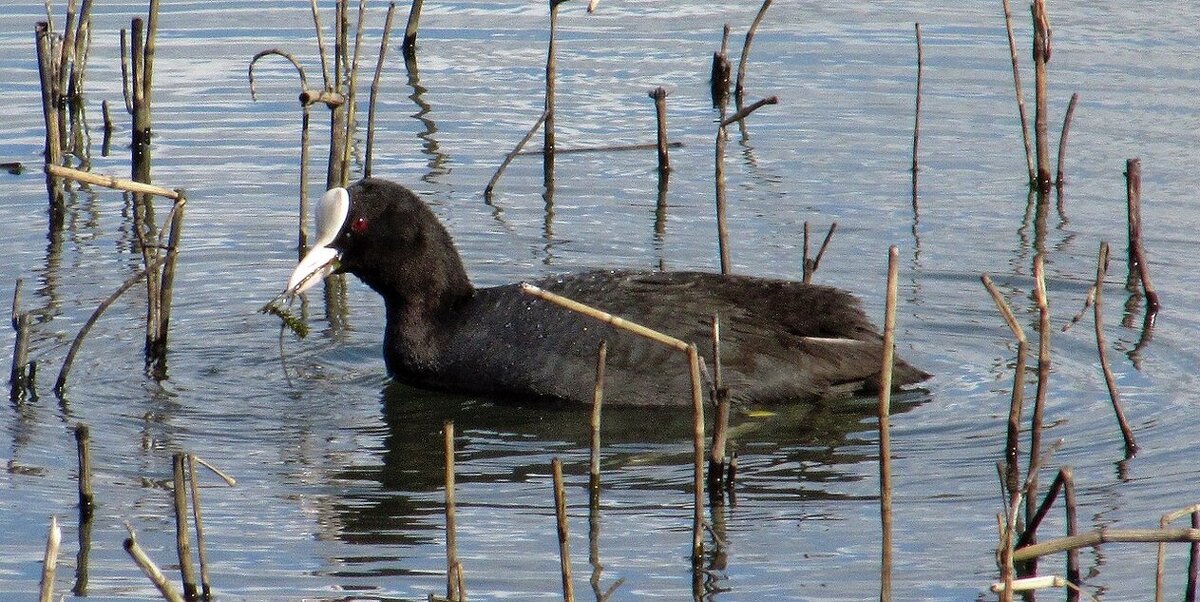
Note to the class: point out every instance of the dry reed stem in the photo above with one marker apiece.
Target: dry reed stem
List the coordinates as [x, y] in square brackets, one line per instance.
[487, 192]
[719, 77]
[1138, 266]
[452, 591]
[182, 545]
[564, 543]
[720, 435]
[198, 523]
[1110, 380]
[660, 111]
[228, 479]
[597, 402]
[112, 182]
[739, 89]
[87, 498]
[1102, 536]
[719, 181]
[20, 378]
[61, 383]
[698, 459]
[1159, 570]
[917, 116]
[1039, 404]
[50, 561]
[1060, 178]
[812, 265]
[383, 45]
[885, 410]
[1041, 56]
[719, 177]
[551, 80]
[43, 37]
[607, 318]
[410, 30]
[151, 570]
[1012, 480]
[1012, 50]
[697, 397]
[1064, 483]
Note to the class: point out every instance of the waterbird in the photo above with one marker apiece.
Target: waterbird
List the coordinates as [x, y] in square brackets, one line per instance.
[781, 340]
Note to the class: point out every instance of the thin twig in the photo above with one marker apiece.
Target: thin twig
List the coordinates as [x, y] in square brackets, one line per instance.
[148, 567]
[61, 383]
[739, 89]
[487, 192]
[1060, 178]
[1110, 381]
[1012, 50]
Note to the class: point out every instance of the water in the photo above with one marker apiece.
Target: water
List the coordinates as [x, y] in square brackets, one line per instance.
[339, 471]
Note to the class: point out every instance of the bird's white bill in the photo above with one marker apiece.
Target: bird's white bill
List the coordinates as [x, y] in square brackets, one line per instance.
[319, 263]
[320, 260]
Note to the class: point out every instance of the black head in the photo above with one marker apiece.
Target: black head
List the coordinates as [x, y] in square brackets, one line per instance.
[381, 232]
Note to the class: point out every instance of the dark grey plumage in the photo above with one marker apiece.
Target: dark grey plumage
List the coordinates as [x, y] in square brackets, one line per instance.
[781, 340]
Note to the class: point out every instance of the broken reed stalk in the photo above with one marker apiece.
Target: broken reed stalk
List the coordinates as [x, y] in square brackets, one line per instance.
[719, 175]
[720, 435]
[1012, 50]
[410, 30]
[487, 192]
[719, 78]
[597, 402]
[564, 543]
[551, 68]
[112, 182]
[87, 498]
[201, 555]
[1012, 481]
[811, 265]
[697, 396]
[151, 570]
[452, 590]
[1159, 570]
[61, 384]
[885, 441]
[1041, 56]
[1060, 177]
[660, 111]
[182, 544]
[383, 46]
[306, 114]
[739, 89]
[44, 41]
[1064, 483]
[917, 116]
[1043, 366]
[20, 379]
[1138, 266]
[50, 561]
[1109, 380]
[1102, 536]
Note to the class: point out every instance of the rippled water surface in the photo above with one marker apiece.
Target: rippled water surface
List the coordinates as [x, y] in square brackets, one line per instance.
[339, 490]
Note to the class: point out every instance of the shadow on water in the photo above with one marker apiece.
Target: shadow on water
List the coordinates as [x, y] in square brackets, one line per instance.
[798, 449]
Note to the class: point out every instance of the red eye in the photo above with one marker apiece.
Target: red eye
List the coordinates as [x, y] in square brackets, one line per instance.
[359, 226]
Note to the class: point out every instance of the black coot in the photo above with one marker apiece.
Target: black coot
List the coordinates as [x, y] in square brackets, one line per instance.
[781, 340]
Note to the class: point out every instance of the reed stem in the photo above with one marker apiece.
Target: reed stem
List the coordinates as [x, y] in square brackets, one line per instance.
[564, 543]
[182, 544]
[50, 561]
[885, 445]
[452, 590]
